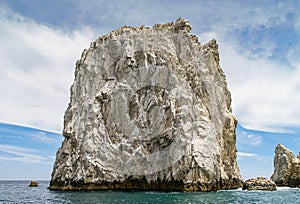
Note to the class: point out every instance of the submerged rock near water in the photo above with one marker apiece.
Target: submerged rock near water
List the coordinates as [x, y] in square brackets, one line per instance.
[286, 167]
[259, 183]
[149, 110]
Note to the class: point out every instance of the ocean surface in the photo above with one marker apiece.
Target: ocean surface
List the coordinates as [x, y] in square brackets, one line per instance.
[20, 192]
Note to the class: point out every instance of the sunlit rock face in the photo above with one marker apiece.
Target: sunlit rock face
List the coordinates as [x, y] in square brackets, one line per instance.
[286, 167]
[149, 110]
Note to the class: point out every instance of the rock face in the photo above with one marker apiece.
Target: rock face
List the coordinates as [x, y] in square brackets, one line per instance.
[286, 167]
[259, 183]
[149, 110]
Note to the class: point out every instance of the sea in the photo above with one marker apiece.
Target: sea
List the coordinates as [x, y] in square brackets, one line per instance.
[20, 192]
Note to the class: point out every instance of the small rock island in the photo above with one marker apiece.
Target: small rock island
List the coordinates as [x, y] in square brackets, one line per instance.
[259, 183]
[149, 110]
[33, 184]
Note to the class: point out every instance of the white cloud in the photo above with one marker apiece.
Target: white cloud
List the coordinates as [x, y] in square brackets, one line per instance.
[265, 95]
[10, 137]
[245, 155]
[252, 165]
[249, 138]
[21, 154]
[42, 137]
[214, 14]
[36, 72]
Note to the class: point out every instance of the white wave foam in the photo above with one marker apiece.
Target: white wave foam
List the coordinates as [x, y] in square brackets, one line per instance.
[287, 188]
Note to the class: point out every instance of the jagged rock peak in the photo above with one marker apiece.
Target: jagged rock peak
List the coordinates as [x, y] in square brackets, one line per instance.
[149, 110]
[286, 167]
[180, 25]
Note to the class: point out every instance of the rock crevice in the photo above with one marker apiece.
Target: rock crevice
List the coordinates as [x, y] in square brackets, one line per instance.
[149, 110]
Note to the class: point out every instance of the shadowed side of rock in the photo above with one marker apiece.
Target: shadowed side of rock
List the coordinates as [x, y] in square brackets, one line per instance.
[141, 184]
[149, 110]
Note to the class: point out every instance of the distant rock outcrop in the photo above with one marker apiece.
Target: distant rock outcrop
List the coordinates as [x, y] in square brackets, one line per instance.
[286, 167]
[259, 183]
[33, 184]
[149, 110]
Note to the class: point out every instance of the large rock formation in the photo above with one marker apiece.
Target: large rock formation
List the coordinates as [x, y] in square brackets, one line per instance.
[149, 110]
[286, 167]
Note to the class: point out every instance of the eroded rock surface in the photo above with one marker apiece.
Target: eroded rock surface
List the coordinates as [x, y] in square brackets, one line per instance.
[149, 110]
[259, 183]
[286, 167]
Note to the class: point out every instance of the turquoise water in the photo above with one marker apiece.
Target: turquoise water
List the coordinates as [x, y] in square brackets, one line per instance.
[19, 192]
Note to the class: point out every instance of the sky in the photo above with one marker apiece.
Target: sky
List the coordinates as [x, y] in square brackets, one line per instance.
[27, 153]
[259, 43]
